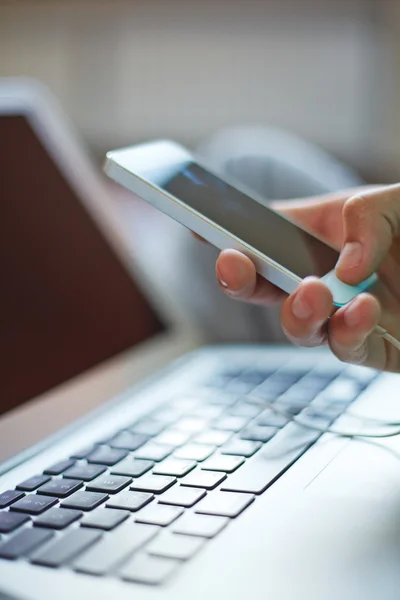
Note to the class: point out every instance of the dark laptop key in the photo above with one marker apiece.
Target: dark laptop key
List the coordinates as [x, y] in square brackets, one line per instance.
[157, 514]
[59, 467]
[207, 480]
[257, 433]
[24, 542]
[156, 484]
[103, 455]
[172, 545]
[148, 427]
[66, 547]
[84, 500]
[130, 467]
[182, 496]
[110, 484]
[132, 501]
[177, 467]
[264, 468]
[199, 525]
[151, 570]
[224, 504]
[126, 440]
[33, 483]
[244, 448]
[224, 463]
[115, 548]
[10, 496]
[33, 504]
[154, 452]
[83, 452]
[84, 471]
[61, 488]
[58, 518]
[10, 521]
[105, 518]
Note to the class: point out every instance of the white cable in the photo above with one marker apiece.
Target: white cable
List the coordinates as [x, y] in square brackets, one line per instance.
[341, 433]
[389, 338]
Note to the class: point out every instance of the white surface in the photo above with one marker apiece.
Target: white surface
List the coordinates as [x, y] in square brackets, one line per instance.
[328, 529]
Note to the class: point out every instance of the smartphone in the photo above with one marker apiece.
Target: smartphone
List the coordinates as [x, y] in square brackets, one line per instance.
[170, 178]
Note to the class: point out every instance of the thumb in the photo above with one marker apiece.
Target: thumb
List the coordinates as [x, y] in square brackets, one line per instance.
[371, 221]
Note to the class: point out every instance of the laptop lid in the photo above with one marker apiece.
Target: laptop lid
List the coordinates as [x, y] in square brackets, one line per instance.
[70, 303]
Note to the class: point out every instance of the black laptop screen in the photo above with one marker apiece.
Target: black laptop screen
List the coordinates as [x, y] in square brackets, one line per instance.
[66, 301]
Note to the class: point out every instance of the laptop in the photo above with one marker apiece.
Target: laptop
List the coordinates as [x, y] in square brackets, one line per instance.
[138, 465]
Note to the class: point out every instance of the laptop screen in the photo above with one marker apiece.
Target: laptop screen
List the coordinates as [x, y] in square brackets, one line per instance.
[66, 301]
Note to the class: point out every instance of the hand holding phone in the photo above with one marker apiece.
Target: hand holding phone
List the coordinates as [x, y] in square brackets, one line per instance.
[167, 176]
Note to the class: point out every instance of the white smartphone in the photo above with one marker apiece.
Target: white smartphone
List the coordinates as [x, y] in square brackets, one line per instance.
[171, 179]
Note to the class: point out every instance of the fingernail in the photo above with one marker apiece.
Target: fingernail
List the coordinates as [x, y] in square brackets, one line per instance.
[351, 256]
[352, 315]
[300, 308]
[221, 282]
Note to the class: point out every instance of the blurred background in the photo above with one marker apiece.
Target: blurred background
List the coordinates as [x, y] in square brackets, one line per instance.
[125, 71]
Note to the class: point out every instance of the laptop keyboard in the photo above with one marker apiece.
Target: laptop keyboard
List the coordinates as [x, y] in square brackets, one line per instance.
[141, 503]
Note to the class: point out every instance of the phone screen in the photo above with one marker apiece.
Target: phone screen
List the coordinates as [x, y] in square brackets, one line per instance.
[259, 226]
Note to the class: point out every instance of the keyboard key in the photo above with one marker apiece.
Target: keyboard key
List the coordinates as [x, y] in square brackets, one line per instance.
[126, 440]
[58, 518]
[154, 452]
[156, 484]
[172, 545]
[208, 411]
[231, 423]
[223, 399]
[272, 419]
[114, 548]
[198, 452]
[110, 484]
[84, 471]
[103, 455]
[148, 427]
[84, 500]
[59, 467]
[33, 504]
[191, 424]
[65, 548]
[203, 479]
[264, 468]
[151, 570]
[177, 467]
[157, 514]
[24, 542]
[130, 500]
[60, 487]
[10, 521]
[213, 437]
[10, 496]
[83, 452]
[199, 525]
[257, 433]
[221, 462]
[130, 467]
[245, 409]
[32, 483]
[244, 448]
[173, 437]
[167, 415]
[182, 496]
[224, 504]
[105, 518]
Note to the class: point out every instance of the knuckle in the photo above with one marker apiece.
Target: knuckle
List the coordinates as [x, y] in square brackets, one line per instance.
[358, 206]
